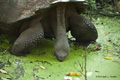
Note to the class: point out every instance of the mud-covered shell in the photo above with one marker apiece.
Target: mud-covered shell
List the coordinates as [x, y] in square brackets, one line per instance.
[15, 10]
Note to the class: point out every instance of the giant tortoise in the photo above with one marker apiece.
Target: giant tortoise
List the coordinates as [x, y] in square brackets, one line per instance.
[33, 20]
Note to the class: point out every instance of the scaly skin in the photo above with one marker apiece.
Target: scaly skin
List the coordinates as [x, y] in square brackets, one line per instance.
[82, 29]
[28, 39]
[55, 23]
[61, 46]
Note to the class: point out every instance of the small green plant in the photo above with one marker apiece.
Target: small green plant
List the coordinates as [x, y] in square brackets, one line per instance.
[92, 3]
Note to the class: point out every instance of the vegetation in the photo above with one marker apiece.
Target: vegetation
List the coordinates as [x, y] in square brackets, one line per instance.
[41, 64]
[28, 68]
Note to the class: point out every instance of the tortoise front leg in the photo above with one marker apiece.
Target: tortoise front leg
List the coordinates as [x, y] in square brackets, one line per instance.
[82, 29]
[28, 39]
[61, 46]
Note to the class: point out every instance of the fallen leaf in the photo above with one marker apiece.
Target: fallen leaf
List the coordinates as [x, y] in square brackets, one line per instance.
[42, 67]
[3, 71]
[107, 33]
[109, 58]
[91, 19]
[73, 74]
[97, 47]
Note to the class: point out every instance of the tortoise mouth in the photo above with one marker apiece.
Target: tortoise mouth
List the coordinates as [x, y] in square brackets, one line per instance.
[61, 56]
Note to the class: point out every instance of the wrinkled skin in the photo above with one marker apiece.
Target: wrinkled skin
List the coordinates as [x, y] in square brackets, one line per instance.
[55, 23]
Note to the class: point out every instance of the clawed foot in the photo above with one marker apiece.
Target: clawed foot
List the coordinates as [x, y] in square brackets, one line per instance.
[18, 54]
[28, 39]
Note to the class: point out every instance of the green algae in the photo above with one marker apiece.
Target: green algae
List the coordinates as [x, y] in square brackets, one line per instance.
[28, 67]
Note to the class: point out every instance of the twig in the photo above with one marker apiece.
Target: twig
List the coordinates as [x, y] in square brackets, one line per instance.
[81, 68]
[85, 65]
[90, 10]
